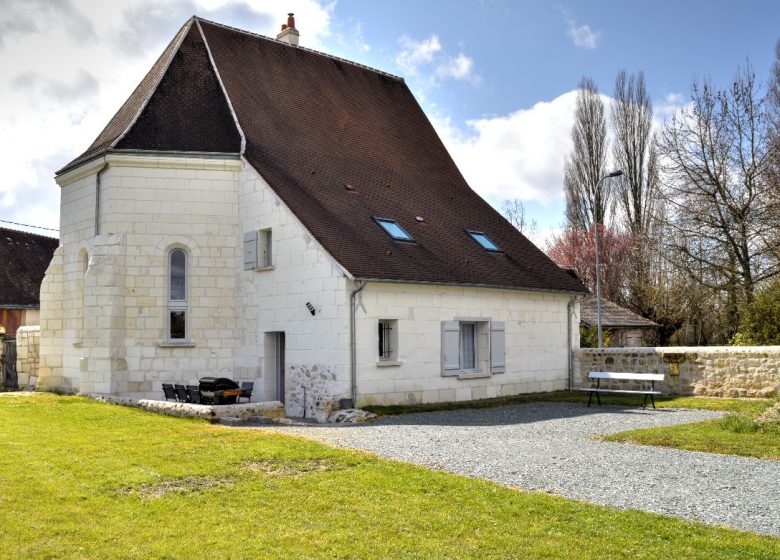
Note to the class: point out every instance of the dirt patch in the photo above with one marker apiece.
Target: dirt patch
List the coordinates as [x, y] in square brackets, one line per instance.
[770, 416]
[185, 485]
[292, 468]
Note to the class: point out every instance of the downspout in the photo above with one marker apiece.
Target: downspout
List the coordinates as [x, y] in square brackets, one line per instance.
[353, 339]
[569, 307]
[97, 196]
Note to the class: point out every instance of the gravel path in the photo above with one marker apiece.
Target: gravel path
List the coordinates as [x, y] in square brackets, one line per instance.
[549, 447]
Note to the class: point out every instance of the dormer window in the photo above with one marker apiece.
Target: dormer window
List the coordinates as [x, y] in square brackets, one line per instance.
[483, 240]
[394, 230]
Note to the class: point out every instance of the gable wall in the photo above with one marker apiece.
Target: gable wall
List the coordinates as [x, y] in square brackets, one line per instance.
[536, 342]
[317, 346]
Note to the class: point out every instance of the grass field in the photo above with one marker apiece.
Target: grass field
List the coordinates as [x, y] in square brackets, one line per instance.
[738, 433]
[81, 479]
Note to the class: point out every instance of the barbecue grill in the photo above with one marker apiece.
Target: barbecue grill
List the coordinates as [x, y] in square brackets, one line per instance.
[218, 390]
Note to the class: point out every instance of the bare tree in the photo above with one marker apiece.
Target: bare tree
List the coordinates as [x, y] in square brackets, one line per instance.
[514, 211]
[634, 152]
[636, 191]
[587, 197]
[716, 157]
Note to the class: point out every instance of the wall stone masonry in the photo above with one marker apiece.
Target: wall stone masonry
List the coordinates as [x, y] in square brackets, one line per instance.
[716, 371]
[28, 341]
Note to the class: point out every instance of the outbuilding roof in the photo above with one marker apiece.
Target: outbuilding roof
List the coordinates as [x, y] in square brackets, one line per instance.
[612, 315]
[24, 258]
[341, 144]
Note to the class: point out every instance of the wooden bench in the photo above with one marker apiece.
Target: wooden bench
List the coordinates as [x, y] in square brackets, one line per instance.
[599, 375]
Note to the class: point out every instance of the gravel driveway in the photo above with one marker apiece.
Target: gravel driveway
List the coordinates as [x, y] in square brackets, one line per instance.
[549, 447]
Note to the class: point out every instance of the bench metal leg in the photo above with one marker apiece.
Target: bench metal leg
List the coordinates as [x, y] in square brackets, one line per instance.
[652, 400]
[598, 398]
[590, 397]
[644, 402]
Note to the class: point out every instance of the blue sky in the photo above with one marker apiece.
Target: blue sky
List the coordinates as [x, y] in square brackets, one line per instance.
[495, 77]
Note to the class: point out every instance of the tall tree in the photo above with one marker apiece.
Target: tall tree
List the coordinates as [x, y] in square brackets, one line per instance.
[716, 156]
[636, 191]
[587, 197]
[635, 153]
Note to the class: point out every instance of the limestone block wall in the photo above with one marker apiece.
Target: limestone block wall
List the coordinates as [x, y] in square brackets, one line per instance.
[718, 371]
[104, 300]
[27, 356]
[536, 342]
[274, 300]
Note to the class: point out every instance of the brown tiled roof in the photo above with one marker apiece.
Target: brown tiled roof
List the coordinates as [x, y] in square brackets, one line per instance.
[23, 261]
[314, 123]
[612, 315]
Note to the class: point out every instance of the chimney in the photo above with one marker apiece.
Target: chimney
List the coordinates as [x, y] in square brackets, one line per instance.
[289, 34]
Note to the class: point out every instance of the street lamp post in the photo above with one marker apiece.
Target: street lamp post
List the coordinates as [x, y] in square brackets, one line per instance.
[616, 173]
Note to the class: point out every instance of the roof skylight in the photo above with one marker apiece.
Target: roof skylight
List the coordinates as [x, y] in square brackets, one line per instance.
[484, 241]
[393, 229]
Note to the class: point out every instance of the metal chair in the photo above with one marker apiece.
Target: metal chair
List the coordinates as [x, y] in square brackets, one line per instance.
[246, 391]
[169, 392]
[181, 393]
[193, 392]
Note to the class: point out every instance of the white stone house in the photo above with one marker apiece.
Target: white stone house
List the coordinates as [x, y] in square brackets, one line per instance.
[261, 211]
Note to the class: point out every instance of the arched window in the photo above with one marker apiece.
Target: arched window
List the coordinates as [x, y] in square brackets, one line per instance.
[177, 295]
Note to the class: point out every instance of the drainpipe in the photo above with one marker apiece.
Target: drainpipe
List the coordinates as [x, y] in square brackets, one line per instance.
[353, 339]
[97, 196]
[569, 307]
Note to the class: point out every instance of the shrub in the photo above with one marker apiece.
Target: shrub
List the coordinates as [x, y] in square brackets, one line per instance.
[759, 324]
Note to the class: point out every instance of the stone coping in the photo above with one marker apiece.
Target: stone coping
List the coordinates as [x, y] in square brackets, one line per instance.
[212, 413]
[682, 349]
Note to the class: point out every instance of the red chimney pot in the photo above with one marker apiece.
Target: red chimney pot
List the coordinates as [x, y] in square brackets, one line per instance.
[291, 20]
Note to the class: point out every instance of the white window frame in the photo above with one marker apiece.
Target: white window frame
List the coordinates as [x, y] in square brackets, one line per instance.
[177, 305]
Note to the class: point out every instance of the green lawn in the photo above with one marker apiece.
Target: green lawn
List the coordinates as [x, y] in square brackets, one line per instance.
[737, 433]
[81, 479]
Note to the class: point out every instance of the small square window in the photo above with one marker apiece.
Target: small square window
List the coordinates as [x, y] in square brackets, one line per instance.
[394, 230]
[484, 241]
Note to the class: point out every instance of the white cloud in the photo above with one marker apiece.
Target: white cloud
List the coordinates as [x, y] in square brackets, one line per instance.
[417, 53]
[460, 67]
[428, 61]
[69, 65]
[519, 155]
[582, 35]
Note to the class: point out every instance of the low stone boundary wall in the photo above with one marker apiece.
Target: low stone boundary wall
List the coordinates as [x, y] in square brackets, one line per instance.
[212, 413]
[717, 371]
[28, 344]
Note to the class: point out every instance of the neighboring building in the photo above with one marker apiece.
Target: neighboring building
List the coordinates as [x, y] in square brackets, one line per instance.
[625, 327]
[265, 212]
[23, 260]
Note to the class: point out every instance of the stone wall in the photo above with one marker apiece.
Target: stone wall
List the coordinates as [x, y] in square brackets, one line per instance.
[718, 371]
[28, 341]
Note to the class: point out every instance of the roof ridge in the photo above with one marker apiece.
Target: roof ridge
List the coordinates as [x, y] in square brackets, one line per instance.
[313, 51]
[221, 84]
